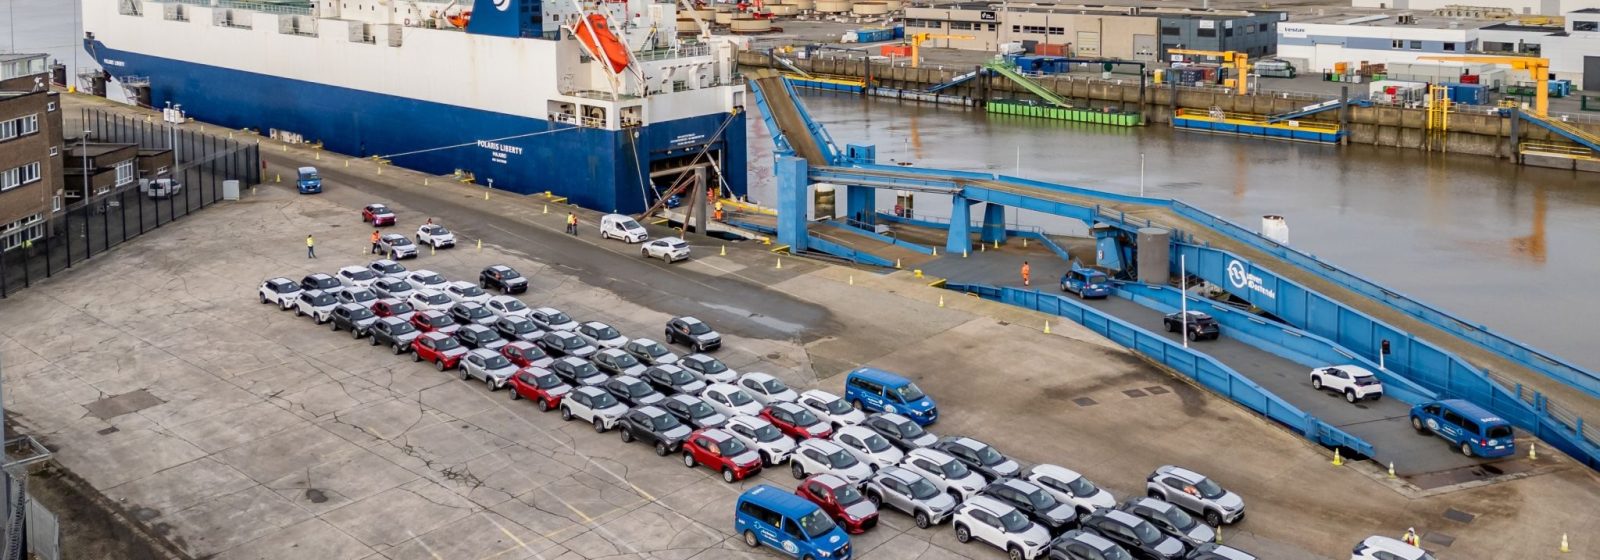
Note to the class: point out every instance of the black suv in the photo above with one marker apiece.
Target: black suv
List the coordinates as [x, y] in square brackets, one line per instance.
[353, 317]
[979, 456]
[1137, 535]
[632, 391]
[319, 281]
[395, 332]
[673, 380]
[564, 343]
[693, 333]
[1200, 326]
[616, 362]
[693, 411]
[654, 426]
[577, 372]
[471, 313]
[479, 336]
[503, 278]
[900, 431]
[518, 328]
[1034, 501]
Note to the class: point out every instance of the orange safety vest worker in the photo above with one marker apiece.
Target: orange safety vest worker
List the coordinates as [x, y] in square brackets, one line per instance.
[374, 237]
[1026, 270]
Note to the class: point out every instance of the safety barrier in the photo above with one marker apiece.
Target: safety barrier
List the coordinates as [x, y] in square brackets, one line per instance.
[858, 229]
[1074, 114]
[824, 246]
[1287, 342]
[1203, 369]
[1012, 230]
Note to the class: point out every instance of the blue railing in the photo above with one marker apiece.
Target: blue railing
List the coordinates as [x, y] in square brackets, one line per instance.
[1203, 369]
[824, 246]
[863, 230]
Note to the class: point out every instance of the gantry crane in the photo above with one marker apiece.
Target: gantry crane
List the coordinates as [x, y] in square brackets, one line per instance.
[1240, 62]
[918, 38]
[1538, 68]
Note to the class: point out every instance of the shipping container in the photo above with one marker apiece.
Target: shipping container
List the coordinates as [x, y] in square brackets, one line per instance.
[901, 51]
[1050, 49]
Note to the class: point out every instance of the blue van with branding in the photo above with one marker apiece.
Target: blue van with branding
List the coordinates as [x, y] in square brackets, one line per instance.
[1088, 283]
[767, 515]
[1473, 430]
[880, 391]
[309, 181]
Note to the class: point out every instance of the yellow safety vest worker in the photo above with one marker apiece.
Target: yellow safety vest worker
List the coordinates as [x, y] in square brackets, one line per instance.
[308, 241]
[572, 219]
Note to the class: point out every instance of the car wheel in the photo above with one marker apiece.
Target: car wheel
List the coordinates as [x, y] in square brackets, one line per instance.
[1350, 396]
[320, 320]
[688, 460]
[397, 349]
[439, 364]
[644, 253]
[701, 348]
[333, 326]
[1193, 336]
[1157, 495]
[962, 534]
[465, 375]
[566, 414]
[1316, 383]
[298, 312]
[515, 395]
[922, 520]
[766, 459]
[855, 403]
[1168, 325]
[954, 494]
[1466, 449]
[483, 284]
[1213, 518]
[750, 539]
[798, 471]
[355, 334]
[727, 475]
[263, 298]
[661, 449]
[1377, 397]
[544, 406]
[492, 385]
[1416, 424]
[416, 356]
[627, 436]
[1014, 552]
[599, 426]
[372, 341]
[875, 499]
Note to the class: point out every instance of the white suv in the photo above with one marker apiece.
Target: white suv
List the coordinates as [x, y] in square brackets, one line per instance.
[760, 435]
[992, 521]
[316, 303]
[951, 476]
[1069, 487]
[507, 306]
[831, 409]
[767, 389]
[357, 277]
[868, 446]
[820, 456]
[594, 405]
[1354, 382]
[730, 400]
[280, 291]
[436, 236]
[1384, 548]
[460, 291]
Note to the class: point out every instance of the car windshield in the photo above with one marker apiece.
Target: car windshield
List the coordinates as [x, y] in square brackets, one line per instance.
[360, 313]
[325, 282]
[910, 430]
[399, 241]
[713, 366]
[731, 447]
[954, 469]
[1015, 521]
[435, 299]
[532, 353]
[1097, 279]
[604, 332]
[804, 417]
[362, 274]
[321, 300]
[1208, 489]
[816, 524]
[439, 320]
[988, 457]
[470, 290]
[773, 386]
[628, 224]
[624, 360]
[842, 459]
[447, 343]
[400, 307]
[700, 410]
[496, 362]
[514, 304]
[604, 400]
[557, 318]
[435, 230]
[1041, 500]
[909, 392]
[738, 398]
[677, 245]
[548, 381]
[653, 349]
[698, 328]
[584, 369]
[401, 327]
[678, 376]
[310, 176]
[520, 326]
[875, 443]
[1179, 518]
[1147, 533]
[379, 209]
[429, 278]
[638, 390]
[847, 495]
[1366, 380]
[923, 490]
[836, 406]
[508, 274]
[488, 335]
[664, 422]
[477, 312]
[573, 342]
[397, 285]
[362, 295]
[767, 433]
[1081, 487]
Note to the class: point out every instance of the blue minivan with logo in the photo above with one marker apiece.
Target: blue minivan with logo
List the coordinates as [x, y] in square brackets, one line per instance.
[1473, 430]
[309, 181]
[767, 515]
[880, 391]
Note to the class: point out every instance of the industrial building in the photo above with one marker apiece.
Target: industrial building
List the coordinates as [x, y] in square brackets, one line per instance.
[30, 150]
[1124, 32]
[1507, 7]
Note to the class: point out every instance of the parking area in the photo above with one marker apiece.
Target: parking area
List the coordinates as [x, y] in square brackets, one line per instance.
[241, 431]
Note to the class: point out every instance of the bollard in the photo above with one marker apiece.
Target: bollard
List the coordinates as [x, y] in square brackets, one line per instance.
[1532, 455]
[1046, 327]
[1391, 469]
[982, 248]
[941, 300]
[433, 249]
[1564, 547]
[963, 253]
[319, 155]
[780, 263]
[916, 273]
[547, 208]
[424, 181]
[997, 243]
[1338, 461]
[347, 163]
[1024, 243]
[935, 251]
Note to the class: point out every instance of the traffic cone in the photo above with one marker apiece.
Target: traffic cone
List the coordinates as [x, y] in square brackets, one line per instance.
[852, 279]
[935, 251]
[1532, 455]
[547, 208]
[780, 263]
[1046, 327]
[424, 181]
[480, 245]
[1338, 461]
[1024, 242]
[1219, 534]
[724, 251]
[1391, 469]
[997, 243]
[432, 250]
[486, 195]
[963, 253]
[897, 264]
[941, 301]
[278, 178]
[1564, 547]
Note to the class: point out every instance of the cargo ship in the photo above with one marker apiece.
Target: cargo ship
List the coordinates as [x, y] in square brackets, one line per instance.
[598, 101]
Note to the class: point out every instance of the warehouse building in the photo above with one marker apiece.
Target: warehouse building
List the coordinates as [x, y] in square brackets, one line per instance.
[1507, 7]
[1123, 32]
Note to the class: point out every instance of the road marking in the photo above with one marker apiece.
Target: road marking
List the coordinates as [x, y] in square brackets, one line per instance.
[424, 545]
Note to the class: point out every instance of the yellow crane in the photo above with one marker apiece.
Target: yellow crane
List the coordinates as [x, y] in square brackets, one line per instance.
[1538, 69]
[1240, 62]
[918, 38]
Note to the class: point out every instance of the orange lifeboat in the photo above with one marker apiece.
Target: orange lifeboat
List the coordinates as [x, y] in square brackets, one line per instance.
[593, 27]
[460, 19]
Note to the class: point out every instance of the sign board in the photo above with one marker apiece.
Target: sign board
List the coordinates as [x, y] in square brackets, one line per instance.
[1240, 277]
[988, 16]
[1291, 31]
[1208, 24]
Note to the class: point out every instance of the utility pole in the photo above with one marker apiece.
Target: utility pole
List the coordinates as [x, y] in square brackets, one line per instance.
[1183, 298]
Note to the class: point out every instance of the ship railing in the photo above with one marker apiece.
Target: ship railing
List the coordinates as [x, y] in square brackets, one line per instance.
[577, 120]
[684, 51]
[205, 3]
[130, 7]
[267, 7]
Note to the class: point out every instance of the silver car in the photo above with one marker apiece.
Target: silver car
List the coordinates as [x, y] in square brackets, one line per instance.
[1171, 519]
[396, 288]
[1194, 492]
[601, 335]
[387, 268]
[487, 366]
[899, 488]
[397, 246]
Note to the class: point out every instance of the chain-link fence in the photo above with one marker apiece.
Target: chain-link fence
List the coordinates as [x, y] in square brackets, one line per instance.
[202, 162]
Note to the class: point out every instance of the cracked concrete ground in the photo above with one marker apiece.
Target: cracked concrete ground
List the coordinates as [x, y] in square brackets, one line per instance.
[270, 437]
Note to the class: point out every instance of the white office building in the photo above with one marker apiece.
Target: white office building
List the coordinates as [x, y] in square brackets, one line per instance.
[1513, 7]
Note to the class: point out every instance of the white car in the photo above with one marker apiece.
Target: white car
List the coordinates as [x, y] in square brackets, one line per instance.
[316, 303]
[766, 389]
[507, 306]
[670, 249]
[951, 476]
[430, 300]
[593, 405]
[1069, 487]
[601, 335]
[868, 446]
[618, 226]
[762, 436]
[435, 236]
[997, 523]
[730, 400]
[357, 276]
[466, 291]
[708, 369]
[426, 279]
[387, 268]
[393, 288]
[397, 246]
[552, 319]
[1354, 382]
[831, 409]
[820, 456]
[489, 367]
[360, 296]
[1384, 548]
[280, 291]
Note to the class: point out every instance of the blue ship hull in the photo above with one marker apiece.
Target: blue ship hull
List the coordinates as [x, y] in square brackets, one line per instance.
[596, 169]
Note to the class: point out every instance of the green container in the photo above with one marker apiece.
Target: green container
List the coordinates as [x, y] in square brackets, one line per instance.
[1064, 114]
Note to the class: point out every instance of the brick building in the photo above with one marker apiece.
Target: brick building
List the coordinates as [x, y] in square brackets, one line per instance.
[30, 150]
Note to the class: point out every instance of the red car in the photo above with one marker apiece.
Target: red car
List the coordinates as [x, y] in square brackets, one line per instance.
[526, 354]
[434, 321]
[439, 349]
[378, 214]
[796, 421]
[722, 452]
[540, 386]
[843, 502]
[390, 307]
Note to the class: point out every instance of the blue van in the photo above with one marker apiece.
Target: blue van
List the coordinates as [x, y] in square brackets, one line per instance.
[309, 181]
[1088, 283]
[767, 515]
[1475, 431]
[880, 391]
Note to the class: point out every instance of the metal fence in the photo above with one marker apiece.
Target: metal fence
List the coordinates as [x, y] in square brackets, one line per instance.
[90, 227]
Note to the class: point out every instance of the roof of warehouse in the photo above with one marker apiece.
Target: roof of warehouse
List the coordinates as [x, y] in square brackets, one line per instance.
[1200, 13]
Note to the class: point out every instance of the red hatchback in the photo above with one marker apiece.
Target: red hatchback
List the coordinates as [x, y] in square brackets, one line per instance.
[842, 500]
[439, 349]
[545, 389]
[796, 421]
[525, 354]
[390, 307]
[378, 214]
[722, 452]
[434, 321]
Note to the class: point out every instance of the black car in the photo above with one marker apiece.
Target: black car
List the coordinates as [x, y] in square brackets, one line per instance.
[1214, 551]
[616, 362]
[353, 317]
[1200, 326]
[1034, 501]
[479, 336]
[503, 278]
[577, 372]
[900, 431]
[650, 352]
[654, 426]
[707, 368]
[673, 380]
[319, 281]
[981, 457]
[693, 333]
[395, 332]
[1137, 535]
[471, 313]
[632, 391]
[1085, 545]
[565, 343]
[518, 328]
[1170, 519]
[693, 411]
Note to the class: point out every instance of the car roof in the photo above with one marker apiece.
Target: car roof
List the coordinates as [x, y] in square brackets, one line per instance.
[1055, 471]
[1354, 370]
[434, 313]
[352, 268]
[520, 344]
[435, 335]
[391, 320]
[282, 280]
[966, 442]
[879, 376]
[756, 375]
[1120, 516]
[574, 360]
[787, 406]
[474, 327]
[591, 390]
[723, 387]
[823, 445]
[423, 272]
[1098, 542]
[930, 454]
[1152, 503]
[1471, 411]
[779, 501]
[669, 368]
[318, 275]
[502, 297]
[643, 341]
[314, 293]
[1180, 472]
[1228, 552]
[384, 262]
[561, 334]
[547, 310]
[1019, 485]
[393, 236]
[1391, 545]
[685, 399]
[749, 421]
[892, 417]
[653, 411]
[351, 306]
[858, 431]
[592, 324]
[497, 267]
[899, 473]
[629, 379]
[715, 434]
[378, 205]
[986, 503]
[466, 305]
[689, 320]
[833, 482]
[485, 352]
[820, 394]
[307, 170]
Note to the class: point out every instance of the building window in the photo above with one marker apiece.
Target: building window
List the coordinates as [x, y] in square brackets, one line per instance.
[1058, 31]
[51, 106]
[1397, 44]
[20, 126]
[965, 26]
[1449, 47]
[1416, 45]
[1171, 31]
[125, 173]
[55, 150]
[1227, 32]
[161, 171]
[19, 176]
[1586, 26]
[992, 27]
[28, 229]
[1206, 32]
[55, 203]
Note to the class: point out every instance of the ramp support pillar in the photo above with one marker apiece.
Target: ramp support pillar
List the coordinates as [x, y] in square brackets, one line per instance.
[860, 202]
[793, 187]
[960, 240]
[994, 223]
